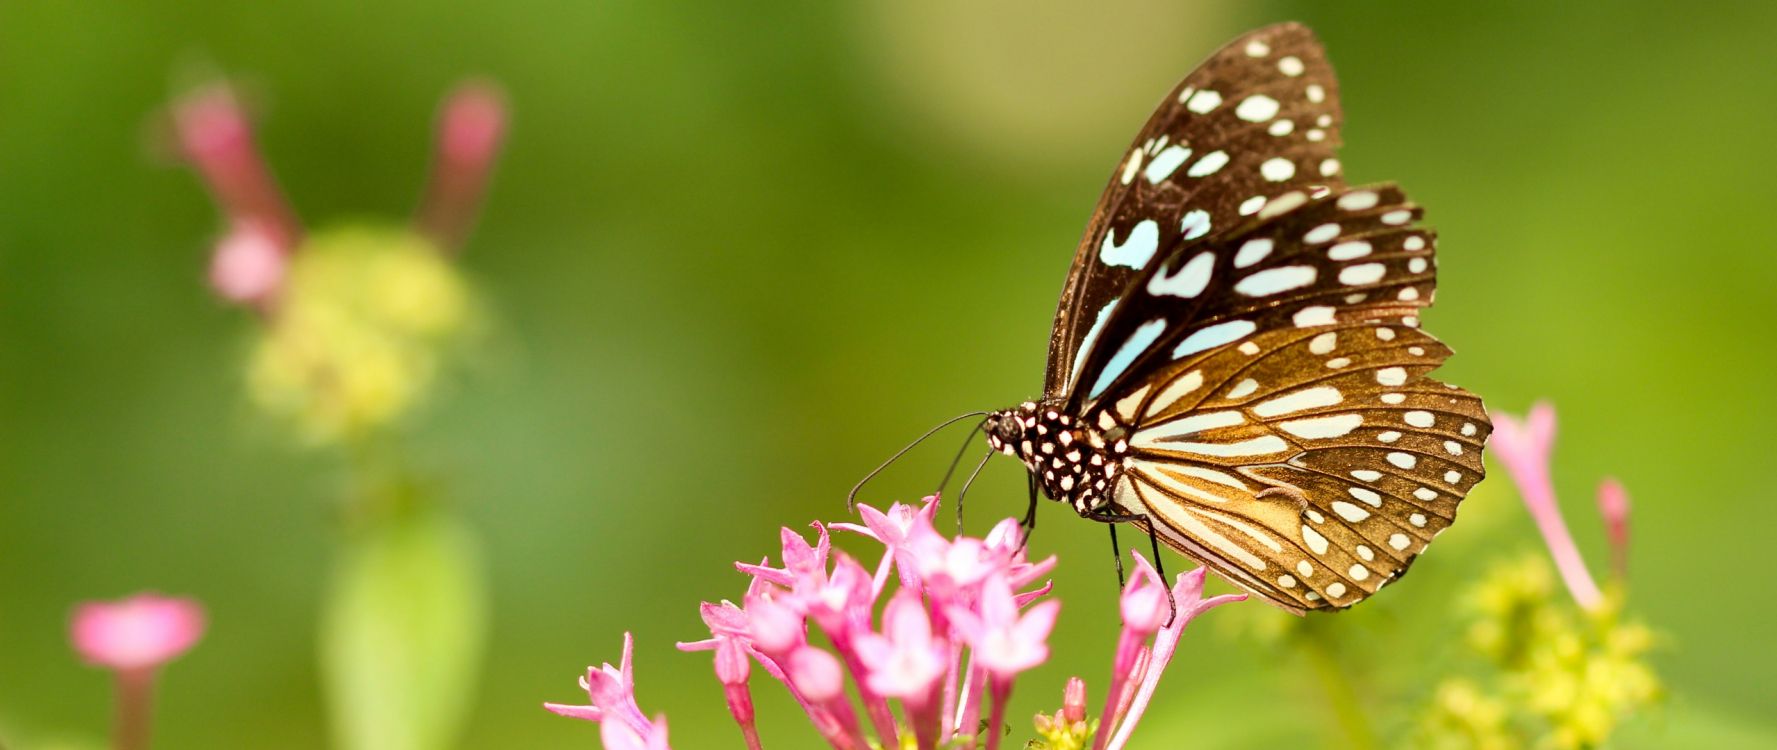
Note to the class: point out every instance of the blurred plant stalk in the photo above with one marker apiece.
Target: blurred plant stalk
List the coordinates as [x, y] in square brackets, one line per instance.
[358, 324]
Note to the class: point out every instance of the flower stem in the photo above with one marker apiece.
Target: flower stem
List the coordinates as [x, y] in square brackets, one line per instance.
[134, 708]
[1317, 646]
[996, 723]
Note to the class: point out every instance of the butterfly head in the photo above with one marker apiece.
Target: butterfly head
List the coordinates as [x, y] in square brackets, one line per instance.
[1072, 461]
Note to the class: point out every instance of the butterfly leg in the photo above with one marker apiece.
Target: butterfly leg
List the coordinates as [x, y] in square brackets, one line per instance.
[1030, 512]
[1112, 519]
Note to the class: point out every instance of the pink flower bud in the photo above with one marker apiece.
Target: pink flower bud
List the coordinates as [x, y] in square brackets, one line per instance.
[470, 129]
[732, 664]
[775, 627]
[248, 266]
[817, 674]
[141, 632]
[1073, 700]
[1613, 504]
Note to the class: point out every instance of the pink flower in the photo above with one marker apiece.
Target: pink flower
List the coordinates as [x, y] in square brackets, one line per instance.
[1524, 447]
[470, 128]
[1613, 504]
[1187, 593]
[141, 632]
[611, 694]
[249, 264]
[906, 659]
[1004, 642]
[958, 627]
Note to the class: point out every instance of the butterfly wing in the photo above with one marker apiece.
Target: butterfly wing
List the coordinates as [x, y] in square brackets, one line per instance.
[1258, 119]
[1311, 471]
[1282, 429]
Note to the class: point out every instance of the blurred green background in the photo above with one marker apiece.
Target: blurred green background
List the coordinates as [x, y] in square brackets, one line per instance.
[739, 252]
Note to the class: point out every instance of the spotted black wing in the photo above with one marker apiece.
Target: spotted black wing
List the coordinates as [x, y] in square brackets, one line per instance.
[1310, 465]
[1258, 119]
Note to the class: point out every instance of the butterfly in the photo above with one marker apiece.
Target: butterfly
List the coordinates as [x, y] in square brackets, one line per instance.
[1236, 365]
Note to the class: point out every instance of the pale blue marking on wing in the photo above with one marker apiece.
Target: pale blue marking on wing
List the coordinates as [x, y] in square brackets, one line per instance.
[1104, 314]
[1137, 249]
[1137, 343]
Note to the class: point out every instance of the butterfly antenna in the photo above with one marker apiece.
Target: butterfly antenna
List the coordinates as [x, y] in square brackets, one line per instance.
[851, 498]
[958, 458]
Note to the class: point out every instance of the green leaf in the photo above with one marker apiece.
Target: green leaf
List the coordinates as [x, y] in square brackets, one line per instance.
[402, 633]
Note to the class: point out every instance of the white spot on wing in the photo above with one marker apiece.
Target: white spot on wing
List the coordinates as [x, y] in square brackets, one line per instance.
[1175, 390]
[1209, 337]
[1189, 281]
[1194, 224]
[1257, 108]
[1274, 280]
[1294, 401]
[1164, 163]
[1321, 428]
[1133, 347]
[1314, 315]
[1252, 251]
[1104, 314]
[1208, 165]
[1349, 512]
[1366, 273]
[1277, 169]
[1203, 102]
[1136, 249]
[1133, 166]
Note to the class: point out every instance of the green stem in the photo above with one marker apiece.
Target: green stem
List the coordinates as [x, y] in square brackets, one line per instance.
[1341, 697]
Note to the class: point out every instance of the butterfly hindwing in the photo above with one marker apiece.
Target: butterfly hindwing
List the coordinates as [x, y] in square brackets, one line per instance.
[1310, 467]
[1258, 119]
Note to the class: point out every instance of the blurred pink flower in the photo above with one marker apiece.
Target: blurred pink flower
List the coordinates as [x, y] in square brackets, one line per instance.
[470, 128]
[138, 633]
[1613, 504]
[249, 264]
[1524, 447]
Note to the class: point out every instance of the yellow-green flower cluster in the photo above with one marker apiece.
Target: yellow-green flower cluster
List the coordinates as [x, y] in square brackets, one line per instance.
[1055, 732]
[358, 336]
[1561, 677]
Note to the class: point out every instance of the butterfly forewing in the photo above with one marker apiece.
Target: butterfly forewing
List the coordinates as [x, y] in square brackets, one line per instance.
[1347, 255]
[1312, 466]
[1257, 120]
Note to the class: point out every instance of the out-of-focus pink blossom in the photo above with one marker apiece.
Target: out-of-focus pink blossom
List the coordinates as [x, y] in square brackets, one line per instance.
[137, 633]
[216, 136]
[1524, 447]
[1613, 504]
[248, 266]
[470, 129]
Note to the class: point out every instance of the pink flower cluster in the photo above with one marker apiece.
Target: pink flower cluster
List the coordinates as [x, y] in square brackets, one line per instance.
[1525, 446]
[960, 619]
[251, 260]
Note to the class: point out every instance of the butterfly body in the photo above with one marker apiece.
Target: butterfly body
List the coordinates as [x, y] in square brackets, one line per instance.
[1236, 364]
[1074, 462]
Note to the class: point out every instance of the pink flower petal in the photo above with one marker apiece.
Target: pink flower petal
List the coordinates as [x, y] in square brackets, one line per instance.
[141, 632]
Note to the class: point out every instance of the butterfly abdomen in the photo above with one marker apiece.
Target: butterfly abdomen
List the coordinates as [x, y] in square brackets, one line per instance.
[1074, 462]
